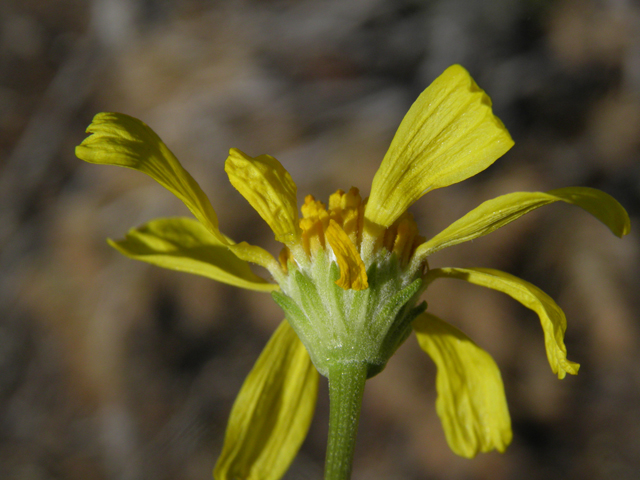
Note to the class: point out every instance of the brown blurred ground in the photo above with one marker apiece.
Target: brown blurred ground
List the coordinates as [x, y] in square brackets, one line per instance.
[111, 369]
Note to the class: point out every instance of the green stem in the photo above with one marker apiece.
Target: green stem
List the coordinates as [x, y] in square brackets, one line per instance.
[346, 387]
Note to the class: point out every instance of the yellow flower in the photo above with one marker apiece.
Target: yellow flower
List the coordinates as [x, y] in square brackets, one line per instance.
[350, 274]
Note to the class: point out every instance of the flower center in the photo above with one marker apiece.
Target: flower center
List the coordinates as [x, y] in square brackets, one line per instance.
[346, 209]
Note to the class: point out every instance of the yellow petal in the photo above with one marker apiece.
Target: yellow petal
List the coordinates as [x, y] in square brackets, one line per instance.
[448, 135]
[119, 139]
[502, 210]
[271, 416]
[552, 318]
[352, 272]
[268, 187]
[471, 402]
[186, 245]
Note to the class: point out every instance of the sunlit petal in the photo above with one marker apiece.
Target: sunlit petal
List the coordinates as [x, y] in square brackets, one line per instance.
[273, 411]
[186, 245]
[471, 402]
[118, 139]
[268, 187]
[448, 135]
[502, 210]
[552, 318]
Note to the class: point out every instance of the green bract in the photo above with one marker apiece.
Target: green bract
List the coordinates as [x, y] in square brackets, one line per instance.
[341, 326]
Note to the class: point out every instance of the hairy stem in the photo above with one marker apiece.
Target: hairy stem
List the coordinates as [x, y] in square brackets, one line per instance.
[346, 387]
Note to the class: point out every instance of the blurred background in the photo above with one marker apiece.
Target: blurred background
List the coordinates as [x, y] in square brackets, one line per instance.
[112, 369]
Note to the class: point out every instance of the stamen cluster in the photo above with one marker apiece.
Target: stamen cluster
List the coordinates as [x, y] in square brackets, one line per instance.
[347, 210]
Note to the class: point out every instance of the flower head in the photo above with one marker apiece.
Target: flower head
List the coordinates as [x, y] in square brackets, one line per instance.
[351, 273]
